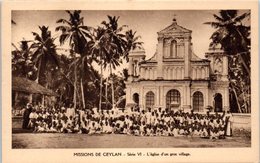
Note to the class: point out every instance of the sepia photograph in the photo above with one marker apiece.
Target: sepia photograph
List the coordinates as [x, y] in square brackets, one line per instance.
[131, 79]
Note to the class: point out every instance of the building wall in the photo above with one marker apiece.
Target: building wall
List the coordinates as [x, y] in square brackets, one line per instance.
[174, 66]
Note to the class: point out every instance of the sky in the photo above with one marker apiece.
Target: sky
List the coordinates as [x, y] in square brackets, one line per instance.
[146, 22]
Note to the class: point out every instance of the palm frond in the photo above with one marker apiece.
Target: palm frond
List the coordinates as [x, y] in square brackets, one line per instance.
[37, 37]
[214, 24]
[63, 38]
[218, 18]
[62, 28]
[241, 17]
[64, 21]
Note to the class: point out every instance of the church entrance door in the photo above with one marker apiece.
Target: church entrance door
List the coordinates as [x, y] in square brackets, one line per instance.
[218, 102]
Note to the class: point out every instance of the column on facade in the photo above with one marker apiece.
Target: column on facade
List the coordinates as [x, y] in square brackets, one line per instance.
[147, 73]
[182, 73]
[161, 95]
[142, 72]
[159, 59]
[184, 96]
[188, 95]
[157, 96]
[225, 67]
[226, 99]
[152, 77]
[193, 73]
[187, 56]
[203, 72]
[176, 72]
[141, 97]
[173, 73]
[207, 72]
[169, 73]
[155, 73]
[130, 67]
[199, 72]
[179, 73]
[166, 73]
[137, 71]
[128, 93]
[151, 73]
[206, 97]
[212, 64]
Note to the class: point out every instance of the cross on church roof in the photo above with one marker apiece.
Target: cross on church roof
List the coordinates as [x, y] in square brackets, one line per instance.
[174, 18]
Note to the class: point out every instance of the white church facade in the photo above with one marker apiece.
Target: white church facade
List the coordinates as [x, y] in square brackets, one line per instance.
[175, 77]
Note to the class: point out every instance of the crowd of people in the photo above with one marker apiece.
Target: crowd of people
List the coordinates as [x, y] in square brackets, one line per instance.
[137, 122]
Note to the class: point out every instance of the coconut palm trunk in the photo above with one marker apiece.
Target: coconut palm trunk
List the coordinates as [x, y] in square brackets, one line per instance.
[39, 68]
[82, 93]
[106, 91]
[101, 81]
[112, 86]
[235, 93]
[75, 87]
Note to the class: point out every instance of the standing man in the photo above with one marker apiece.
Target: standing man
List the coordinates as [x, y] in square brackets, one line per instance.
[26, 115]
[229, 121]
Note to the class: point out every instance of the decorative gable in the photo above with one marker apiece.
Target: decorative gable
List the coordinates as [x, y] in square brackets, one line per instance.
[174, 29]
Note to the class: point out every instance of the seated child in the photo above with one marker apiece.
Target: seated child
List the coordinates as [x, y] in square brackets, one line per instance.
[204, 133]
[176, 131]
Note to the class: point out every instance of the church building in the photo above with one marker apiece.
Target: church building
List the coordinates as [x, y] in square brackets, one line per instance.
[175, 78]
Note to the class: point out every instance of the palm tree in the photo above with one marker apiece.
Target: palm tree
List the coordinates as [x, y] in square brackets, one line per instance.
[132, 40]
[116, 47]
[22, 65]
[74, 31]
[99, 48]
[232, 35]
[44, 52]
[234, 38]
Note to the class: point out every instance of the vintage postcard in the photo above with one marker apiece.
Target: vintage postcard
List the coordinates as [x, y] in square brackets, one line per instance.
[130, 81]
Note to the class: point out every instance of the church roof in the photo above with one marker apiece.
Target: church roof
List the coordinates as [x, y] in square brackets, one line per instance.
[174, 27]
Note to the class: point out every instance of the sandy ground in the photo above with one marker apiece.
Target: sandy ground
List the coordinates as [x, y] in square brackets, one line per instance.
[58, 140]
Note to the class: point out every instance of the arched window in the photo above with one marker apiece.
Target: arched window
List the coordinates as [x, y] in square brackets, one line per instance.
[136, 98]
[218, 102]
[198, 102]
[149, 99]
[173, 51]
[166, 47]
[173, 98]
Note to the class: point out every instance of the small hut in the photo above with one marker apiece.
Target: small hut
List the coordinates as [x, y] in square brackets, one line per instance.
[24, 90]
